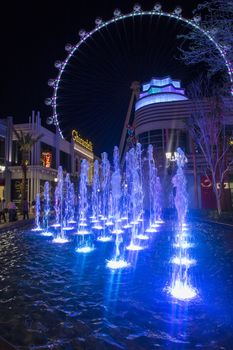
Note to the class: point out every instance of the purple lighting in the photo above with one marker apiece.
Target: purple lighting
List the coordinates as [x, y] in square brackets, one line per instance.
[160, 90]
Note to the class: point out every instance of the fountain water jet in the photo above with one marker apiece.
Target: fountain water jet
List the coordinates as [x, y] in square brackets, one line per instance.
[46, 211]
[60, 237]
[181, 287]
[37, 216]
[117, 261]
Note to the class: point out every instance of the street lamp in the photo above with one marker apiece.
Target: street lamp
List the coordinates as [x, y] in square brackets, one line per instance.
[2, 168]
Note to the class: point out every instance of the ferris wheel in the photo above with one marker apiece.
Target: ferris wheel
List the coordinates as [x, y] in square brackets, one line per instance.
[85, 37]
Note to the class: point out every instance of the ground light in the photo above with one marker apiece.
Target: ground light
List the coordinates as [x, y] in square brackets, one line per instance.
[46, 234]
[37, 229]
[182, 291]
[185, 261]
[104, 239]
[142, 237]
[117, 264]
[134, 247]
[60, 240]
[68, 228]
[84, 249]
[151, 230]
[83, 232]
[117, 232]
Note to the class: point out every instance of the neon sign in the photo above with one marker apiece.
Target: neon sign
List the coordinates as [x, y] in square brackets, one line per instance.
[84, 143]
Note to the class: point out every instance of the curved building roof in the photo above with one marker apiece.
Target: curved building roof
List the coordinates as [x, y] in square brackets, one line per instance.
[159, 90]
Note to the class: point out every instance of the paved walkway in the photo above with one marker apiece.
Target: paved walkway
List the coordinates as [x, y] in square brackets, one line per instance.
[18, 223]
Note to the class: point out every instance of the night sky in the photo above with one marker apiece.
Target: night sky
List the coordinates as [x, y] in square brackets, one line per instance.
[94, 93]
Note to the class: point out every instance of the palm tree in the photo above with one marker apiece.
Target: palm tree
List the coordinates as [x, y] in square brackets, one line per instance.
[25, 143]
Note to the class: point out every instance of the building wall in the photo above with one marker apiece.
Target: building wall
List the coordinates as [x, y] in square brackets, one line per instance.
[164, 125]
[64, 153]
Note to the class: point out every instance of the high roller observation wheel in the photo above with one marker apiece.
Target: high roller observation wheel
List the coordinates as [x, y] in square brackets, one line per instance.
[118, 16]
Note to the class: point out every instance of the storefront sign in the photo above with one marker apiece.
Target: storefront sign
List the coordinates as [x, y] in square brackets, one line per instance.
[84, 143]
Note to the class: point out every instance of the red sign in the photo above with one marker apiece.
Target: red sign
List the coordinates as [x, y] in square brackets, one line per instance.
[47, 159]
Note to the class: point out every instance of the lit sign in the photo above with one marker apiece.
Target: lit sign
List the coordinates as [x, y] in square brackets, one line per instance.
[84, 143]
[47, 159]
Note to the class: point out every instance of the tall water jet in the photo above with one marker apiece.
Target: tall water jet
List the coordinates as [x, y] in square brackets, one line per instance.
[68, 204]
[84, 244]
[37, 214]
[95, 198]
[136, 196]
[126, 194]
[60, 238]
[117, 261]
[83, 200]
[116, 192]
[105, 185]
[72, 205]
[105, 199]
[181, 287]
[152, 175]
[158, 201]
[179, 183]
[46, 210]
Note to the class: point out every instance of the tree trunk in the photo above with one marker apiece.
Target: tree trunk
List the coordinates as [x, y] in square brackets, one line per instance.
[217, 193]
[218, 201]
[24, 184]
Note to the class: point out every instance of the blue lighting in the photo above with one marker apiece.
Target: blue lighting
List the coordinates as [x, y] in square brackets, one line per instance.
[160, 90]
[158, 98]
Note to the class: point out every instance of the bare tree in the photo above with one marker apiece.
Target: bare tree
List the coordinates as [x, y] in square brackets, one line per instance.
[217, 19]
[208, 128]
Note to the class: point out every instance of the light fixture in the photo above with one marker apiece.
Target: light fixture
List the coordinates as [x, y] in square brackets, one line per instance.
[171, 156]
[2, 168]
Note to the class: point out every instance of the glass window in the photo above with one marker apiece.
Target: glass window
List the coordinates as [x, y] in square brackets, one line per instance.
[65, 161]
[48, 155]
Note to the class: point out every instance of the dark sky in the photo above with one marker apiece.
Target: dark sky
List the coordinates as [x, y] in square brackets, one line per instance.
[95, 92]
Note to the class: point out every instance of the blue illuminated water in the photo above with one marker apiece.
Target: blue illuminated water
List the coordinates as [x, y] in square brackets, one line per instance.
[53, 298]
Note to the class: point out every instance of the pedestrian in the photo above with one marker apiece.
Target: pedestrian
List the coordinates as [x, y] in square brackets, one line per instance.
[2, 210]
[25, 210]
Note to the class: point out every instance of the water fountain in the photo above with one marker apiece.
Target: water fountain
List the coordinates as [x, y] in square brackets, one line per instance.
[117, 261]
[181, 287]
[46, 210]
[71, 219]
[152, 172]
[126, 195]
[37, 214]
[105, 192]
[96, 198]
[116, 193]
[59, 206]
[136, 197]
[84, 242]
[68, 204]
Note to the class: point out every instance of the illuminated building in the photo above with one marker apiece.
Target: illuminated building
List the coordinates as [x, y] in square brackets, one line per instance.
[161, 112]
[47, 154]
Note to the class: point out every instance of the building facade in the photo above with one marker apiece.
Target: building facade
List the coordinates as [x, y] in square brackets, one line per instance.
[46, 156]
[161, 114]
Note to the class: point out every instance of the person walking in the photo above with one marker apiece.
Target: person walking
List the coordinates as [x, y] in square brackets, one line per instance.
[25, 210]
